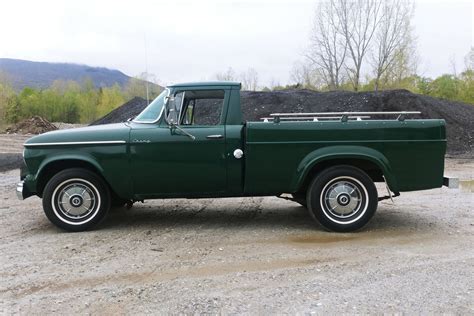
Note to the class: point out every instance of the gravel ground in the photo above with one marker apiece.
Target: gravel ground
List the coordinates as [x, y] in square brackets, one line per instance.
[11, 148]
[250, 256]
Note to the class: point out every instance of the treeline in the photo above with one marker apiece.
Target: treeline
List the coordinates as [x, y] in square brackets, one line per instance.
[451, 87]
[67, 101]
[367, 45]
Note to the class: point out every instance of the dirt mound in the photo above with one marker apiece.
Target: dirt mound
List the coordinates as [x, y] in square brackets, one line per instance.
[459, 116]
[34, 125]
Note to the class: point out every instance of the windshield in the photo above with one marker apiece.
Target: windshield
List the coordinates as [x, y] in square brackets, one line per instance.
[153, 111]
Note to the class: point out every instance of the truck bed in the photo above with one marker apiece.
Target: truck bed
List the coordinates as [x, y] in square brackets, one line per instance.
[412, 151]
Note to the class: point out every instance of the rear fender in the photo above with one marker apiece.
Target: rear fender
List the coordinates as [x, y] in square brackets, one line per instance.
[343, 152]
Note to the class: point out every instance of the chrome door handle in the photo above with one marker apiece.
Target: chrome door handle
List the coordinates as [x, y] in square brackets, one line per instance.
[214, 136]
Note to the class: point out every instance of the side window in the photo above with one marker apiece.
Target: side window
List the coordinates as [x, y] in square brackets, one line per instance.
[202, 107]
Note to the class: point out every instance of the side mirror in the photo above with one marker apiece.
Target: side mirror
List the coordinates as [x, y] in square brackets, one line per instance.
[172, 117]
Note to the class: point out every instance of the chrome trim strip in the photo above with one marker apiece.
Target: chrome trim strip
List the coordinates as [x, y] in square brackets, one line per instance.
[105, 142]
[345, 113]
[181, 108]
[215, 136]
[151, 122]
[159, 116]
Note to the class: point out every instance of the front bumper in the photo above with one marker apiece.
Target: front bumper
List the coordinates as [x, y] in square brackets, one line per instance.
[19, 190]
[22, 191]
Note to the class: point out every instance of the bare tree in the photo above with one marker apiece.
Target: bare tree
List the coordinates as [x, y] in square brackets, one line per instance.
[392, 37]
[469, 59]
[137, 86]
[359, 20]
[328, 46]
[306, 76]
[249, 79]
[228, 75]
[274, 84]
[405, 64]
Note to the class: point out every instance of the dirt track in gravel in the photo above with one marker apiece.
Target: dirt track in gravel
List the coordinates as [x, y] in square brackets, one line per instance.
[252, 255]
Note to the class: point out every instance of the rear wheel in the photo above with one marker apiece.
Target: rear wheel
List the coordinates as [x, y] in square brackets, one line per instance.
[342, 198]
[76, 199]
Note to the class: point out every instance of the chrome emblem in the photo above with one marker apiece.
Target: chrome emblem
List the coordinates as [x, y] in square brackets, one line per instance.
[141, 141]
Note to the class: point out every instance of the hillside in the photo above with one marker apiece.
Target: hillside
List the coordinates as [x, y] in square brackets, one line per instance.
[24, 73]
[459, 116]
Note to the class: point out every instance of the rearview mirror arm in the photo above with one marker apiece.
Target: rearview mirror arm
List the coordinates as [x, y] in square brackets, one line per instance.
[173, 125]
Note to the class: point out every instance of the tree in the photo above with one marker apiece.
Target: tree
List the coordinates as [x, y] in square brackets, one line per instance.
[249, 79]
[392, 37]
[8, 100]
[88, 101]
[228, 75]
[466, 93]
[307, 77]
[109, 99]
[359, 20]
[404, 65]
[328, 45]
[469, 59]
[445, 86]
[137, 87]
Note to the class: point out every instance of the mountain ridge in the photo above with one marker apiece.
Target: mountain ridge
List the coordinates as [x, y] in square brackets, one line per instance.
[35, 74]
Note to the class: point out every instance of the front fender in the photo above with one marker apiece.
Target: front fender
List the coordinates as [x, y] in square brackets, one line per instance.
[343, 152]
[85, 157]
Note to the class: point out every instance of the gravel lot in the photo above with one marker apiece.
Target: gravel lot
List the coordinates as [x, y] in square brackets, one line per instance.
[253, 255]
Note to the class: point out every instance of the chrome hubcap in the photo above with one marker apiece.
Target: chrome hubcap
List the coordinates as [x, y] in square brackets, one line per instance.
[342, 199]
[76, 200]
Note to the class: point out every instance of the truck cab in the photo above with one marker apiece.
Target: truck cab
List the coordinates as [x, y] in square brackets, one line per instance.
[190, 143]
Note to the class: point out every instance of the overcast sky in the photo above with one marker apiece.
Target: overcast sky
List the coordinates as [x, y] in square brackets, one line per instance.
[193, 40]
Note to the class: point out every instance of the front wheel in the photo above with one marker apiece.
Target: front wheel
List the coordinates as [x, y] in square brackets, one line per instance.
[342, 198]
[76, 199]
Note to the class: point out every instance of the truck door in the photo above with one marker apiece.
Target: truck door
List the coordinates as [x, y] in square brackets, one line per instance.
[186, 160]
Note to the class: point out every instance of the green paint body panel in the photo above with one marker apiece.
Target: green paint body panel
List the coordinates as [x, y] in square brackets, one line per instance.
[143, 161]
[110, 160]
[410, 153]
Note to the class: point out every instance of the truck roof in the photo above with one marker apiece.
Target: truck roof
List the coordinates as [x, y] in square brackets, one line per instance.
[206, 83]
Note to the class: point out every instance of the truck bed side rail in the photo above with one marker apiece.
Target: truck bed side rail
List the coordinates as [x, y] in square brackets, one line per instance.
[342, 116]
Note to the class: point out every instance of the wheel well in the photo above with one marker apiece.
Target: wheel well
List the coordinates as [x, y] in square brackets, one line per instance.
[56, 166]
[372, 169]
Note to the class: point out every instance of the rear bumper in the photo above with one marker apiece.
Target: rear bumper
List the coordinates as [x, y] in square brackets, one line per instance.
[450, 182]
[22, 191]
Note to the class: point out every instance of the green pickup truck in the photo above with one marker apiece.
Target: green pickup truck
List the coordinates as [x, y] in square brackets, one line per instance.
[191, 142]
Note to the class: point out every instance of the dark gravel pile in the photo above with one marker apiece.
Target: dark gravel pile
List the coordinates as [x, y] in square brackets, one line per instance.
[129, 109]
[459, 116]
